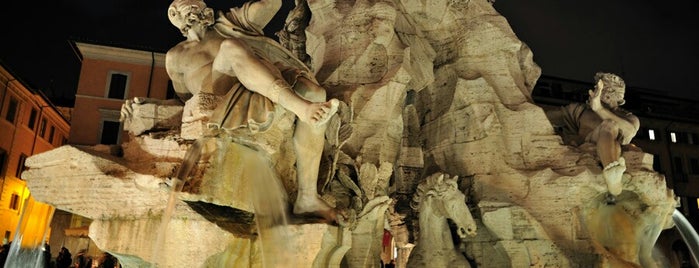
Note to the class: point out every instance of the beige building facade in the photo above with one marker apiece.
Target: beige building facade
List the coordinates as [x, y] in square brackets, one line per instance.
[108, 76]
[29, 124]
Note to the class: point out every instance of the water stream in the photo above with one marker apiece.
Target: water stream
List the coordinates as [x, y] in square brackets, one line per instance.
[689, 235]
[27, 250]
[191, 158]
[269, 200]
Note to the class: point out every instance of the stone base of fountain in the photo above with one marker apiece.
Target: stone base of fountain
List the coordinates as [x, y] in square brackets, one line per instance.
[129, 197]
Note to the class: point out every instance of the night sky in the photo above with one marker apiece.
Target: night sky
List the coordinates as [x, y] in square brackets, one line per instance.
[651, 44]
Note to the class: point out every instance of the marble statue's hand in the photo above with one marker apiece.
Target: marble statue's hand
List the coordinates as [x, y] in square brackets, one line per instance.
[595, 96]
[126, 111]
[127, 108]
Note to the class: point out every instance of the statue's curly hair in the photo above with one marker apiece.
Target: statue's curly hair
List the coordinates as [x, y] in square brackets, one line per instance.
[204, 15]
[613, 84]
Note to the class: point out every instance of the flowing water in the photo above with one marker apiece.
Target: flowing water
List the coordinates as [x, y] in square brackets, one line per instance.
[27, 250]
[269, 201]
[191, 158]
[689, 235]
[271, 215]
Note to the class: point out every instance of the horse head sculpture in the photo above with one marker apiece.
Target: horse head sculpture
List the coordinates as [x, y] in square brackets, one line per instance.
[437, 199]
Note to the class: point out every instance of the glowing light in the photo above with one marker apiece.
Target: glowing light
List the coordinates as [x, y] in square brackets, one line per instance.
[673, 137]
[651, 134]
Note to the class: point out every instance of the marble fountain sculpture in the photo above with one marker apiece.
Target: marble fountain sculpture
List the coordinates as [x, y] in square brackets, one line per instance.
[422, 89]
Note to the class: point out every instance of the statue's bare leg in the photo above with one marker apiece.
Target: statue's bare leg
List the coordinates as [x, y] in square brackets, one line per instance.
[308, 144]
[236, 59]
[609, 152]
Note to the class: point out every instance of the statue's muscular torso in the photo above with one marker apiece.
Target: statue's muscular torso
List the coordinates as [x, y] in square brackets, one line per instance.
[189, 65]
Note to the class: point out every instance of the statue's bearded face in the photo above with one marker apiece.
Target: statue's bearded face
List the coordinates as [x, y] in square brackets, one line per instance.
[186, 14]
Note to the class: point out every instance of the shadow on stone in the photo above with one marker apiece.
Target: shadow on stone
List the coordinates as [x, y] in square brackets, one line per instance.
[235, 221]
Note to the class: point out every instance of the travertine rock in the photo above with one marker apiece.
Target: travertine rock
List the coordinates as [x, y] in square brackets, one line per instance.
[152, 114]
[67, 177]
[427, 86]
[127, 208]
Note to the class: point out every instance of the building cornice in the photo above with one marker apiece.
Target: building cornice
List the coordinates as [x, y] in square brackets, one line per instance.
[118, 54]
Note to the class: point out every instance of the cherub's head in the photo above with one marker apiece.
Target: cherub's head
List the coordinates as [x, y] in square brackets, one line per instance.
[186, 14]
[613, 88]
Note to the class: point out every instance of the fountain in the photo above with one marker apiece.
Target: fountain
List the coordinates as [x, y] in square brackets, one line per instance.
[423, 87]
[689, 235]
[28, 250]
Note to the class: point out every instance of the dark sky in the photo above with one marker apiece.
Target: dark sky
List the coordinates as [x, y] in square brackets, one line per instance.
[651, 44]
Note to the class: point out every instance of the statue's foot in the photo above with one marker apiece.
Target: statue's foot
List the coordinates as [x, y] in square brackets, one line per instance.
[318, 113]
[315, 207]
[613, 173]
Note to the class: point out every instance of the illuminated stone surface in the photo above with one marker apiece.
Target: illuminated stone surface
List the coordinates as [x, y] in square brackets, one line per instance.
[425, 86]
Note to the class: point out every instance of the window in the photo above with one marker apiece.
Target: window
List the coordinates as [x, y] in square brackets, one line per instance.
[110, 132]
[14, 202]
[32, 119]
[52, 131]
[11, 114]
[42, 127]
[682, 137]
[656, 163]
[678, 169]
[7, 236]
[673, 137]
[117, 86]
[651, 134]
[3, 162]
[20, 165]
[694, 165]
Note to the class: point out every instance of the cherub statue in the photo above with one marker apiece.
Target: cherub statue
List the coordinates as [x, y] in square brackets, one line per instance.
[602, 122]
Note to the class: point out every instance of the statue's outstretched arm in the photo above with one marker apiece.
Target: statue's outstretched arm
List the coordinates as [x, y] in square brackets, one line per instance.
[260, 13]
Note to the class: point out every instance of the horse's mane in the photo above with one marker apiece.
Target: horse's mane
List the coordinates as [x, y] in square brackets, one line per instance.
[435, 185]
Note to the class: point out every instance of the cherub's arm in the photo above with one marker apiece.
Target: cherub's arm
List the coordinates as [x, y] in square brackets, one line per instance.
[260, 13]
[628, 124]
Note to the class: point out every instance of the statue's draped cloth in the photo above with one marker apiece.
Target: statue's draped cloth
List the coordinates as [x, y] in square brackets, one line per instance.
[572, 116]
[242, 107]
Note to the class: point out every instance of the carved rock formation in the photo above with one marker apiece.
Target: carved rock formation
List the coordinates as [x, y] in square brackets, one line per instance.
[427, 86]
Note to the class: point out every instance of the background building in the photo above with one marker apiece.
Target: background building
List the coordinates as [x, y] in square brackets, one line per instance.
[29, 124]
[108, 76]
